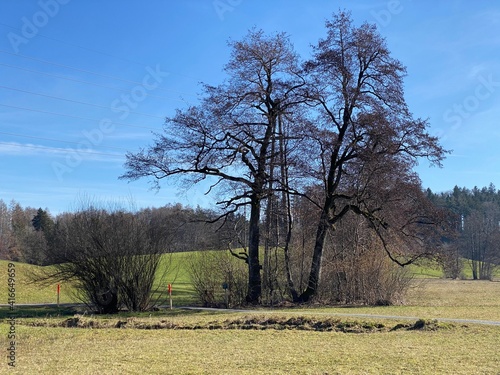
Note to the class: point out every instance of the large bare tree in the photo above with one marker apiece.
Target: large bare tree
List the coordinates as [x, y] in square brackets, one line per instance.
[367, 139]
[360, 142]
[229, 137]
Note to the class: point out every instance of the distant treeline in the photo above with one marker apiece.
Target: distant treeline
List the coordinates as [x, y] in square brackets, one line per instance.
[475, 216]
[29, 234]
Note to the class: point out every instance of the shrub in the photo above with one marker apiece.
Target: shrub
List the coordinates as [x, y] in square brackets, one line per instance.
[219, 279]
[113, 257]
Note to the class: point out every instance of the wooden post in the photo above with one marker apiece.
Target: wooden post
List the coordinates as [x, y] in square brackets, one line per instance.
[170, 295]
[225, 286]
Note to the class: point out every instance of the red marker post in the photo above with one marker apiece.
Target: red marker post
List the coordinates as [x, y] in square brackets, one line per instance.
[170, 294]
[58, 293]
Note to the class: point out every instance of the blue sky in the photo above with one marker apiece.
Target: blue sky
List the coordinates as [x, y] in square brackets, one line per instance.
[82, 82]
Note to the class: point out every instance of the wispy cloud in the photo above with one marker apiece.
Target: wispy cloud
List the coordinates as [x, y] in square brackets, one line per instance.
[31, 150]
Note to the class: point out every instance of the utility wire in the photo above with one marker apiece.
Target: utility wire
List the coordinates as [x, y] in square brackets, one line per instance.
[93, 50]
[75, 45]
[81, 81]
[74, 101]
[76, 117]
[88, 71]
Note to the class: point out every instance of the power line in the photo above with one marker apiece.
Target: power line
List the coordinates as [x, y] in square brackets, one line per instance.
[87, 71]
[81, 81]
[74, 101]
[73, 116]
[93, 50]
[76, 45]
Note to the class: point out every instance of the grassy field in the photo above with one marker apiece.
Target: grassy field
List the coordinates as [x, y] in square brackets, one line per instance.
[472, 350]
[441, 298]
[318, 341]
[29, 292]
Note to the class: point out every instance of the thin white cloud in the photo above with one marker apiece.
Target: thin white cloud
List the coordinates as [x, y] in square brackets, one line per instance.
[28, 149]
[83, 152]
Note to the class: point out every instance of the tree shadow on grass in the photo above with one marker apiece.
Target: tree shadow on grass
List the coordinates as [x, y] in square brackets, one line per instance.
[65, 311]
[36, 312]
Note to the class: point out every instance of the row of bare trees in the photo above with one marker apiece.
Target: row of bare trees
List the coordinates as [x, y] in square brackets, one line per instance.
[332, 130]
[480, 241]
[117, 258]
[31, 235]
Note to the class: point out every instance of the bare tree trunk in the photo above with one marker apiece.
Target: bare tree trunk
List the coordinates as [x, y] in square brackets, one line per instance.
[287, 209]
[268, 282]
[254, 267]
[289, 279]
[315, 273]
[475, 275]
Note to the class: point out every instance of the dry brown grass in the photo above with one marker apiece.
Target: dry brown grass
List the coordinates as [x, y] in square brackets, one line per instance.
[472, 350]
[440, 298]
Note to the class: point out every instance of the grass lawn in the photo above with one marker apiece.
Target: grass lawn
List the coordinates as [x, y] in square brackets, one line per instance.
[449, 349]
[29, 292]
[175, 269]
[440, 298]
[456, 350]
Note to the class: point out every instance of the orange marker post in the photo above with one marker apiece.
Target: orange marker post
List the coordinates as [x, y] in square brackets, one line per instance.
[170, 295]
